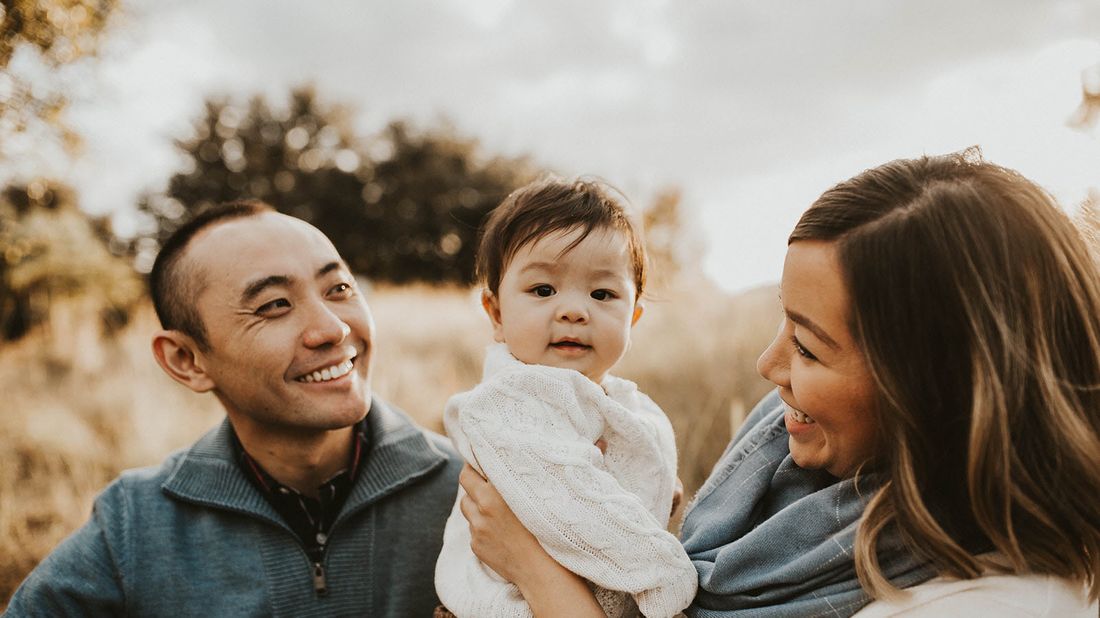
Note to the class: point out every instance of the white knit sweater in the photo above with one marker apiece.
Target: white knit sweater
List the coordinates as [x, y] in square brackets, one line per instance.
[531, 430]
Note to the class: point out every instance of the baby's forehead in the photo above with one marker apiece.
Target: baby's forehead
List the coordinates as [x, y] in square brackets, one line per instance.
[600, 251]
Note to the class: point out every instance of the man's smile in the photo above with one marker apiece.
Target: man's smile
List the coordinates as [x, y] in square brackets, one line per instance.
[326, 374]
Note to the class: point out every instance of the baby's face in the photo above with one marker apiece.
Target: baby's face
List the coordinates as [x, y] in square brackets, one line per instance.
[572, 310]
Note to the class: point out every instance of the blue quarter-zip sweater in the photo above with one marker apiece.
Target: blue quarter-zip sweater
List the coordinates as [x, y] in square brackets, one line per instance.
[192, 537]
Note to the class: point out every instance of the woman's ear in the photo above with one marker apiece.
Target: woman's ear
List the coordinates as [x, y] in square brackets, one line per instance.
[639, 309]
[491, 304]
[180, 357]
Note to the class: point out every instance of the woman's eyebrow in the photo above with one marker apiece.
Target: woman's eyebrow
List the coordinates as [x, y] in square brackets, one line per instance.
[809, 324]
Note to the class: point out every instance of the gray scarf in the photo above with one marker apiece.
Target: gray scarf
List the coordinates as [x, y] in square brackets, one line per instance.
[772, 539]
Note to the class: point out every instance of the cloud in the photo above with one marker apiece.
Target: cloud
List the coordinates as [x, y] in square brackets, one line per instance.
[753, 108]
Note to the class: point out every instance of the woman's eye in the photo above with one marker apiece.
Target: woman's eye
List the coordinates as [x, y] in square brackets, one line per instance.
[274, 305]
[603, 294]
[802, 351]
[543, 291]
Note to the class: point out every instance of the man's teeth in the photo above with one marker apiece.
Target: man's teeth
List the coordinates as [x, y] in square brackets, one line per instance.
[800, 416]
[328, 373]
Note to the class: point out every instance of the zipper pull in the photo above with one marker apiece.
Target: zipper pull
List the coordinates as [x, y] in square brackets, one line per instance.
[319, 584]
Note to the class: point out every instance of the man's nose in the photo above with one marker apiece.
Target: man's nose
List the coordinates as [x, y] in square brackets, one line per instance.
[324, 327]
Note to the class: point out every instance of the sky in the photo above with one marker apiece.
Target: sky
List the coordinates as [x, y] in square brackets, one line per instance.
[752, 109]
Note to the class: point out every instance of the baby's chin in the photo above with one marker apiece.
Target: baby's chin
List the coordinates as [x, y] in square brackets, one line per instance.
[563, 363]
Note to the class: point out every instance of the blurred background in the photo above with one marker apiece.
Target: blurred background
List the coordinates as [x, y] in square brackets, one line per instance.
[394, 127]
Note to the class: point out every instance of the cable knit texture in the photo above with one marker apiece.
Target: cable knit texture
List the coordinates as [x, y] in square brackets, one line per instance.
[531, 430]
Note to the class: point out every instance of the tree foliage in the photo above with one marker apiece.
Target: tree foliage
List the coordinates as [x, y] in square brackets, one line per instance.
[50, 250]
[59, 32]
[402, 206]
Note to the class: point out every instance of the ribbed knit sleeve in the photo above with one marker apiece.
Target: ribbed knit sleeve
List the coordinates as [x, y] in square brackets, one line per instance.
[531, 431]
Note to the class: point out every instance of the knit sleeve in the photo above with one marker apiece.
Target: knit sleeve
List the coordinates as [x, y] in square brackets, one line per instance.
[81, 576]
[532, 434]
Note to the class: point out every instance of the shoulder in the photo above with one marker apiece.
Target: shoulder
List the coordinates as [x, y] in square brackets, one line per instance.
[992, 594]
[394, 431]
[138, 486]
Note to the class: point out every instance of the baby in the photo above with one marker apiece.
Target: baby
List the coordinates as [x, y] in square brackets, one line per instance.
[563, 268]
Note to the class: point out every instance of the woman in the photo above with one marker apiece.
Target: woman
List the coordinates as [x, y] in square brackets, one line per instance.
[935, 427]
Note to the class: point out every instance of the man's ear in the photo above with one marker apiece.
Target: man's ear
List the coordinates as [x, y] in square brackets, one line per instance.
[639, 309]
[491, 304]
[179, 356]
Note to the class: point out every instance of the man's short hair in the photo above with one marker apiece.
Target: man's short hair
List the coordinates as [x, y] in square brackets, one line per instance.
[175, 285]
[551, 205]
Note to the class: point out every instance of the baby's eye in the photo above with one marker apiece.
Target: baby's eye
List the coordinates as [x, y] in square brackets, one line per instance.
[603, 294]
[543, 290]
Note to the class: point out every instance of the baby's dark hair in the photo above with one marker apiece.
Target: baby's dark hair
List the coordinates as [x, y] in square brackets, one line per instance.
[551, 205]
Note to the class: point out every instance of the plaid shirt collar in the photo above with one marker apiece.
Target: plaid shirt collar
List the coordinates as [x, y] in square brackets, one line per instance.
[310, 518]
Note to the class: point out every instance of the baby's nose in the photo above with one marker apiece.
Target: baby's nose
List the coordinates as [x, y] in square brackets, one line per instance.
[573, 311]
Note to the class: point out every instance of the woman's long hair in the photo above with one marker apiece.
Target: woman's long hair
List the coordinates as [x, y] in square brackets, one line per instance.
[977, 305]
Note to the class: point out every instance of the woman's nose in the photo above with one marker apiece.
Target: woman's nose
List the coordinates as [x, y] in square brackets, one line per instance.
[774, 363]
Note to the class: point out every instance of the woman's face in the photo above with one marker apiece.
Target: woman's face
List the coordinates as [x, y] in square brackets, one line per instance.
[821, 372]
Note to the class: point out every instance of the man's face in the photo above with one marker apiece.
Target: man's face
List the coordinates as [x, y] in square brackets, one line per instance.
[289, 333]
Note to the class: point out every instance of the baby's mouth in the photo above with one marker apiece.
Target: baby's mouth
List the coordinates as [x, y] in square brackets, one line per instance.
[569, 344]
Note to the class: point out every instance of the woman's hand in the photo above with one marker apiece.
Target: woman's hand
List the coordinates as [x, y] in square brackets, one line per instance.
[498, 539]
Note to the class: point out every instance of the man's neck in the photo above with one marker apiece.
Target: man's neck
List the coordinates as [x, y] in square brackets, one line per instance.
[296, 458]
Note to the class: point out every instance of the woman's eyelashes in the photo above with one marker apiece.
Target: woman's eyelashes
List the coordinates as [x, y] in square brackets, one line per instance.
[801, 349]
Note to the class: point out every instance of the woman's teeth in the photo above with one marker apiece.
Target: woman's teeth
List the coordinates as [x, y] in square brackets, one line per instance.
[328, 373]
[800, 416]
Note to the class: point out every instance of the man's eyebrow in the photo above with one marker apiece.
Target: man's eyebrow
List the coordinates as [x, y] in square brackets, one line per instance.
[818, 332]
[331, 266]
[252, 290]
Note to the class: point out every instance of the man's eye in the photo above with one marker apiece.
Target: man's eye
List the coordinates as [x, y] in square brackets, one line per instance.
[342, 290]
[603, 294]
[274, 305]
[543, 291]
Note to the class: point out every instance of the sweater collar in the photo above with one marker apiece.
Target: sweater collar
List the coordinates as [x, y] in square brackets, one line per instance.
[400, 454]
[499, 360]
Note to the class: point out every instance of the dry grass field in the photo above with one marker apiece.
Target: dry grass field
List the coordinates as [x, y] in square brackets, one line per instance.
[79, 409]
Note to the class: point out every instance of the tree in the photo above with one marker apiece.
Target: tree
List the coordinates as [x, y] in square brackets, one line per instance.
[428, 198]
[59, 33]
[49, 251]
[410, 214]
[1087, 113]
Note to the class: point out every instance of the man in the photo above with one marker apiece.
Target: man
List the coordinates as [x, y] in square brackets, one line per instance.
[312, 498]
